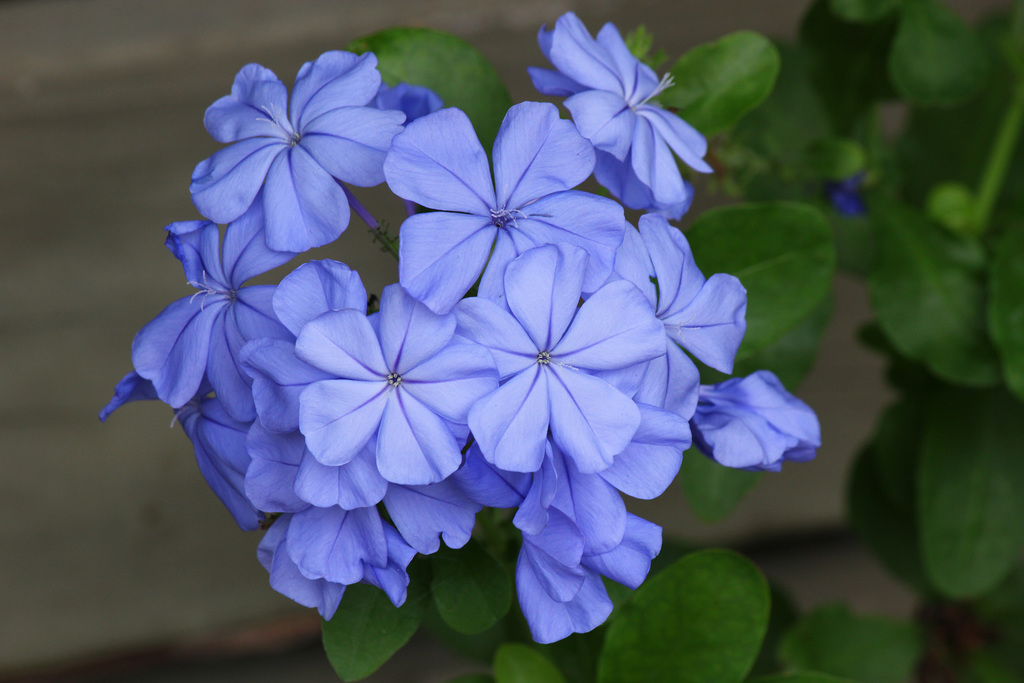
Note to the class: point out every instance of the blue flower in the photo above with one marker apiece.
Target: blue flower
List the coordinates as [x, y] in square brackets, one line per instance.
[547, 351]
[199, 337]
[412, 100]
[538, 158]
[297, 151]
[707, 317]
[399, 377]
[753, 423]
[611, 97]
[845, 195]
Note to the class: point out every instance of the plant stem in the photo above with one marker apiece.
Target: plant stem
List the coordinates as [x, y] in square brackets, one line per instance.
[380, 235]
[999, 159]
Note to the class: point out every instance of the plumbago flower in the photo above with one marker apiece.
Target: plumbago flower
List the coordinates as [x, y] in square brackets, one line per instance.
[438, 162]
[611, 97]
[299, 151]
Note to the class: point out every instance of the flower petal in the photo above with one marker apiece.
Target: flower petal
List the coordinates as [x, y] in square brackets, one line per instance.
[683, 138]
[224, 185]
[335, 79]
[450, 382]
[712, 326]
[342, 343]
[423, 513]
[356, 484]
[647, 466]
[245, 249]
[304, 206]
[339, 417]
[257, 106]
[630, 562]
[351, 142]
[409, 331]
[576, 54]
[542, 289]
[414, 446]
[605, 119]
[489, 325]
[511, 424]
[487, 485]
[270, 477]
[655, 167]
[332, 544]
[315, 288]
[278, 378]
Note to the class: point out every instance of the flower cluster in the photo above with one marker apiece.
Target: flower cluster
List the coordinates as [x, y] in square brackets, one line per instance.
[362, 438]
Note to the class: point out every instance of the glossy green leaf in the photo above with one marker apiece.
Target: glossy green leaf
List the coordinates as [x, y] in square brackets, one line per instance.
[717, 83]
[518, 663]
[783, 254]
[367, 629]
[471, 589]
[1006, 306]
[783, 615]
[460, 75]
[713, 490]
[862, 648]
[970, 508]
[800, 677]
[863, 10]
[936, 60]
[927, 293]
[699, 621]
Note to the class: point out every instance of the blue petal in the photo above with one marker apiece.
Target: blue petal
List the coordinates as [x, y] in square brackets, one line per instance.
[537, 153]
[423, 513]
[438, 162]
[441, 256]
[679, 278]
[614, 328]
[594, 505]
[487, 324]
[335, 79]
[576, 54]
[683, 138]
[542, 289]
[487, 485]
[344, 344]
[351, 142]
[286, 578]
[511, 424]
[590, 420]
[453, 380]
[257, 106]
[304, 206]
[197, 245]
[647, 466]
[315, 288]
[711, 327]
[226, 184]
[339, 417]
[550, 620]
[554, 557]
[412, 100]
[356, 484]
[245, 250]
[605, 119]
[224, 372]
[550, 82]
[278, 378]
[414, 446]
[532, 516]
[132, 387]
[639, 79]
[630, 562]
[270, 478]
[332, 544]
[409, 331]
[172, 349]
[393, 578]
[654, 165]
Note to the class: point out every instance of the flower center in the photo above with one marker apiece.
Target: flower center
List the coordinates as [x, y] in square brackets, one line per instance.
[394, 379]
[664, 84]
[294, 139]
[501, 218]
[544, 358]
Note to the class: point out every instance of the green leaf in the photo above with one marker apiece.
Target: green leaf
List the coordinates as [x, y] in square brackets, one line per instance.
[928, 296]
[460, 75]
[800, 677]
[471, 589]
[834, 158]
[1006, 306]
[1002, 610]
[783, 254]
[865, 649]
[713, 490]
[936, 60]
[863, 11]
[699, 621]
[783, 616]
[952, 205]
[970, 508]
[717, 83]
[367, 629]
[847, 64]
[518, 663]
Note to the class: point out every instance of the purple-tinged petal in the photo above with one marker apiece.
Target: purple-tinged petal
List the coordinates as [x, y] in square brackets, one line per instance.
[226, 184]
[683, 138]
[614, 328]
[670, 382]
[197, 245]
[492, 282]
[132, 387]
[286, 578]
[340, 416]
[342, 343]
[549, 82]
[647, 466]
[409, 331]
[438, 163]
[537, 153]
[415, 445]
[633, 264]
[679, 278]
[542, 289]
[304, 206]
[576, 54]
[594, 505]
[172, 349]
[356, 484]
[639, 80]
[487, 324]
[412, 100]
[554, 557]
[393, 578]
[226, 376]
[257, 106]
[245, 250]
[351, 142]
[629, 562]
[550, 620]
[441, 256]
[712, 326]
[594, 224]
[425, 513]
[511, 424]
[315, 288]
[654, 165]
[532, 515]
[332, 544]
[270, 478]
[335, 79]
[485, 484]
[278, 378]
[450, 382]
[605, 119]
[590, 420]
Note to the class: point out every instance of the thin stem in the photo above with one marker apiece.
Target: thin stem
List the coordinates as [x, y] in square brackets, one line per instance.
[999, 159]
[378, 233]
